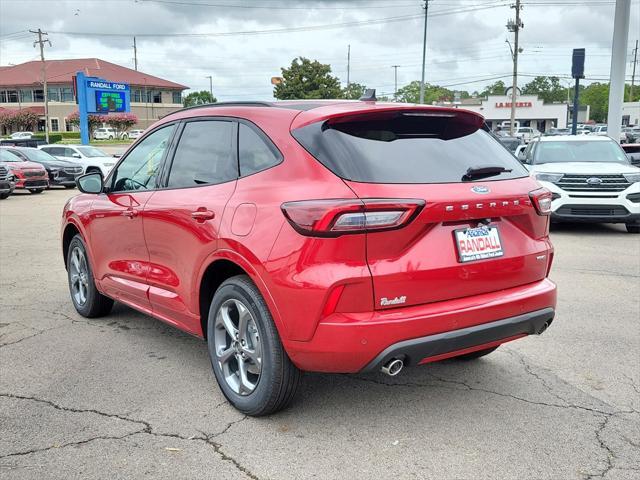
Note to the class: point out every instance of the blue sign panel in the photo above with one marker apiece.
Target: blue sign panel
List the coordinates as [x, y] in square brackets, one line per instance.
[96, 95]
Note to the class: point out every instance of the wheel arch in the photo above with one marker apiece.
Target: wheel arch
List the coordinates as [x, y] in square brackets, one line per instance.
[224, 265]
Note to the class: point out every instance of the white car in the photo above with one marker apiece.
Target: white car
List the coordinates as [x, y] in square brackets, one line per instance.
[590, 177]
[601, 130]
[526, 133]
[16, 135]
[132, 134]
[90, 158]
[104, 134]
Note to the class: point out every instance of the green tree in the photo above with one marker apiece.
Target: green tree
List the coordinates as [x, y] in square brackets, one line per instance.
[121, 122]
[432, 93]
[548, 89]
[596, 95]
[198, 98]
[307, 79]
[95, 121]
[353, 91]
[497, 88]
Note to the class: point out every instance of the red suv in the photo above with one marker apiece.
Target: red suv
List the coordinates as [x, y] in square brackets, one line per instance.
[323, 236]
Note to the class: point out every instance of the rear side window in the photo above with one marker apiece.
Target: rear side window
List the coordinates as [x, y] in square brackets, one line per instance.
[406, 147]
[254, 151]
[204, 155]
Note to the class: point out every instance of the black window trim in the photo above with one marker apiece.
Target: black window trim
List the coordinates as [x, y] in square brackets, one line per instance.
[171, 151]
[108, 182]
[265, 138]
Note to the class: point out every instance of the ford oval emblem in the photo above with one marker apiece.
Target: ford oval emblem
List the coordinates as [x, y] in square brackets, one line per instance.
[594, 181]
[480, 189]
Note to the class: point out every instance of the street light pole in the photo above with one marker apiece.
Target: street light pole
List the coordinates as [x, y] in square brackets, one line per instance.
[395, 88]
[210, 85]
[515, 28]
[41, 41]
[424, 50]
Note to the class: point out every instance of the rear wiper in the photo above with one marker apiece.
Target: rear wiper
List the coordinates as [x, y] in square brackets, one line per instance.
[483, 172]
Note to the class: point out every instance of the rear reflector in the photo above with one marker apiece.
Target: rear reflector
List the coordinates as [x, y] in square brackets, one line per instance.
[541, 200]
[331, 218]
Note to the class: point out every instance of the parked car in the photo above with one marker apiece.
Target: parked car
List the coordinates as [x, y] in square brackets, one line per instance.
[90, 158]
[22, 142]
[7, 179]
[60, 172]
[104, 134]
[633, 152]
[283, 235]
[582, 131]
[590, 177]
[132, 134]
[602, 130]
[510, 143]
[526, 133]
[28, 175]
[558, 131]
[633, 134]
[17, 135]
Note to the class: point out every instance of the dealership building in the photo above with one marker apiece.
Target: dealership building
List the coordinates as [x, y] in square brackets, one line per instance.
[21, 88]
[531, 111]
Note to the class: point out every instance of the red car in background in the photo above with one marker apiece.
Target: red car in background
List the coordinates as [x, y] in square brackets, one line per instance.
[27, 175]
[323, 236]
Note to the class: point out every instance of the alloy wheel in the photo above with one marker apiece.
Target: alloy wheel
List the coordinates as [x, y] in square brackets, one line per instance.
[79, 276]
[238, 346]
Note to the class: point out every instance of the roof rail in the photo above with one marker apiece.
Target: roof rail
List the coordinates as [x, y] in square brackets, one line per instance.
[223, 104]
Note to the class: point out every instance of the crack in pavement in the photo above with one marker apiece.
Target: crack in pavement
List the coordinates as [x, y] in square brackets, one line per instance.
[145, 429]
[604, 415]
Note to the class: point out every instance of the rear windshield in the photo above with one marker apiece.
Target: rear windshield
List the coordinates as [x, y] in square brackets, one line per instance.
[579, 151]
[406, 147]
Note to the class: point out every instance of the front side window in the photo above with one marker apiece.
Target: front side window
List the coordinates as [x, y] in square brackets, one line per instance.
[204, 155]
[139, 170]
[254, 153]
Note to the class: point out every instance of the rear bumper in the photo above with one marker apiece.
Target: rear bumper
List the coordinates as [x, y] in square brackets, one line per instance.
[353, 342]
[417, 350]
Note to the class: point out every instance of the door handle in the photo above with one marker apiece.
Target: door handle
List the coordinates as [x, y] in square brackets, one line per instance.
[131, 213]
[202, 215]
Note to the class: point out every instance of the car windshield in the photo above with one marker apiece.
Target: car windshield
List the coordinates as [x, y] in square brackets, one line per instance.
[37, 155]
[6, 156]
[91, 152]
[579, 151]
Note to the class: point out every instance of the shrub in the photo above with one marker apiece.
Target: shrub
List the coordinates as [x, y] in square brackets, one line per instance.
[53, 137]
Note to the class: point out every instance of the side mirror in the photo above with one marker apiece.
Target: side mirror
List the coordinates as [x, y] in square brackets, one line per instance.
[76, 155]
[90, 183]
[522, 157]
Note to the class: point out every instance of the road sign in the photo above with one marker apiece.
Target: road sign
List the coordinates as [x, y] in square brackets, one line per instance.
[98, 96]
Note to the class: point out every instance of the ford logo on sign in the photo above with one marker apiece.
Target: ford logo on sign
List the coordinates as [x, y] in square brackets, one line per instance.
[594, 181]
[480, 189]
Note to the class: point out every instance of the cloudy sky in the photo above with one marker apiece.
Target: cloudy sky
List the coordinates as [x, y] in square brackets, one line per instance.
[243, 43]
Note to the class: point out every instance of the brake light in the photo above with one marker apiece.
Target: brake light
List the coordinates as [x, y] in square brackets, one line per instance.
[541, 200]
[331, 218]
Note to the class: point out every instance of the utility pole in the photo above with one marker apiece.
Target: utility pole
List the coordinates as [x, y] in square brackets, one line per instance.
[348, 63]
[41, 41]
[633, 75]
[210, 85]
[135, 55]
[424, 50]
[515, 28]
[395, 88]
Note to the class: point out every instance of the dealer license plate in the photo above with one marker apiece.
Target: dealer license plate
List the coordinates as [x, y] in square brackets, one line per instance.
[478, 243]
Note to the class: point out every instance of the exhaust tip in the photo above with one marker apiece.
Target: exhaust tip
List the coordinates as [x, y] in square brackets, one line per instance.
[544, 327]
[392, 367]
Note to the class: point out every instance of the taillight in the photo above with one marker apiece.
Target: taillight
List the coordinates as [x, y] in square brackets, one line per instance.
[541, 200]
[331, 218]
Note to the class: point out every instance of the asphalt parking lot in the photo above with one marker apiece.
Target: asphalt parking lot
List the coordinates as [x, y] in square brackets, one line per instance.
[129, 397]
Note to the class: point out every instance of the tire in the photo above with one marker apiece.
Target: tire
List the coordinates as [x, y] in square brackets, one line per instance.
[476, 354]
[4, 196]
[271, 383]
[94, 304]
[110, 137]
[633, 227]
[35, 191]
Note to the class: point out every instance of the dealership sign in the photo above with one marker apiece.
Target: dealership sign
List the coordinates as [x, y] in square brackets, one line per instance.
[518, 104]
[99, 96]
